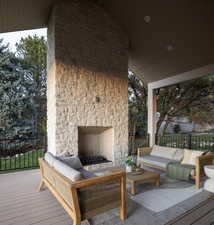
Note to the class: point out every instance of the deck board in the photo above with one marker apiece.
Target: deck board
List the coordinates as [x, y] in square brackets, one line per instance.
[21, 204]
[203, 214]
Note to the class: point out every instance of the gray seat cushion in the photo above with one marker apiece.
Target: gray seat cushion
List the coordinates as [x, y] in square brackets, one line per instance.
[86, 174]
[72, 161]
[155, 160]
[67, 171]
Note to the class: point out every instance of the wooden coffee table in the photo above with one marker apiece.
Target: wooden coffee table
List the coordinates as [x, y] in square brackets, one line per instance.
[135, 178]
[145, 176]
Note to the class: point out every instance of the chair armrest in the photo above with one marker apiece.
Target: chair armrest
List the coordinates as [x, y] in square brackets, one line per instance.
[96, 180]
[204, 160]
[144, 151]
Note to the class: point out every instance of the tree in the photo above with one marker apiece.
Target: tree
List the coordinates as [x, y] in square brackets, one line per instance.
[137, 91]
[32, 52]
[193, 99]
[23, 86]
[14, 91]
[177, 128]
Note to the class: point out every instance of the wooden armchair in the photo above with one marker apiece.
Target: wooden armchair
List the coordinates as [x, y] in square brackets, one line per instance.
[200, 163]
[85, 198]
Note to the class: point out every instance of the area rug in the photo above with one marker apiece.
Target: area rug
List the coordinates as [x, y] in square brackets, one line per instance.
[159, 200]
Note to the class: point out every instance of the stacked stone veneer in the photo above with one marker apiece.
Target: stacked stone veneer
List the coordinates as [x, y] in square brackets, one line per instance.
[87, 76]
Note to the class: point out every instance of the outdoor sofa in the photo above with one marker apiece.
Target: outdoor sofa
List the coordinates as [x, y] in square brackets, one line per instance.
[160, 157]
[81, 193]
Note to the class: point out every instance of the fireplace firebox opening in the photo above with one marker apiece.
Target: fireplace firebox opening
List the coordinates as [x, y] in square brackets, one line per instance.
[95, 143]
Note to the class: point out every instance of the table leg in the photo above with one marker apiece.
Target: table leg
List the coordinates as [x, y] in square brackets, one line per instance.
[133, 188]
[157, 182]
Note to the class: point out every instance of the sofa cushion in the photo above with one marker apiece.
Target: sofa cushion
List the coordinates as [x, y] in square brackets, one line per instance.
[67, 171]
[193, 157]
[49, 158]
[179, 154]
[72, 161]
[186, 158]
[155, 161]
[162, 151]
[190, 156]
[87, 174]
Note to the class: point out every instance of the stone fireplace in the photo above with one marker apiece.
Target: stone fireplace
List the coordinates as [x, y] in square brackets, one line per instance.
[96, 141]
[87, 82]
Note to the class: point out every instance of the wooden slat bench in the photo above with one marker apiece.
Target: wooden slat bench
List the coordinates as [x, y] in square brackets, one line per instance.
[85, 198]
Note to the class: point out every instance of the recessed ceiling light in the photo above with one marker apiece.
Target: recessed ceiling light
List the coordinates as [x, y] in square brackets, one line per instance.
[147, 19]
[170, 48]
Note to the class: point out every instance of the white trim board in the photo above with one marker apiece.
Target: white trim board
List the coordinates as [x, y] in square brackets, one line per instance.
[190, 75]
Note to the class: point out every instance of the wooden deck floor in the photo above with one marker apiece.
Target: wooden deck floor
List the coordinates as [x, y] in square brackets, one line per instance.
[21, 204]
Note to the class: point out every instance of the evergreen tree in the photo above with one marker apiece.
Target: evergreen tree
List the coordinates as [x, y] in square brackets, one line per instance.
[32, 53]
[15, 92]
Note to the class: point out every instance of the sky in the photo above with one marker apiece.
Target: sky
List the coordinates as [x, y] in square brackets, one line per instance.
[13, 37]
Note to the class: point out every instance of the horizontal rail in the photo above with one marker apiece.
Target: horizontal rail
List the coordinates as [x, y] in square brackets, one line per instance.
[204, 142]
[18, 154]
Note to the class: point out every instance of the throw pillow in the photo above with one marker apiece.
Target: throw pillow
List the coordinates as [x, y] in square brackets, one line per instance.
[72, 161]
[194, 155]
[67, 171]
[187, 155]
[190, 156]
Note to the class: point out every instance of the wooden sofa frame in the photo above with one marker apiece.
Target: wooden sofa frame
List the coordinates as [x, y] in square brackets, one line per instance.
[70, 191]
[200, 163]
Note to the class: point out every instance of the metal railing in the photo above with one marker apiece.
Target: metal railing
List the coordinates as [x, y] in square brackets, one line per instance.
[21, 153]
[204, 142]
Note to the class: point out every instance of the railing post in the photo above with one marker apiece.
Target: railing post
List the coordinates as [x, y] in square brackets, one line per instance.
[190, 141]
[148, 138]
[156, 139]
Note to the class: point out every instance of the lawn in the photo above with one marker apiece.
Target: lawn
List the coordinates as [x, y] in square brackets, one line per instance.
[20, 162]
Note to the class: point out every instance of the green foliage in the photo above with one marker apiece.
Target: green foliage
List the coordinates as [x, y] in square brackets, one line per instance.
[129, 161]
[32, 52]
[23, 88]
[137, 92]
[193, 99]
[176, 128]
[14, 90]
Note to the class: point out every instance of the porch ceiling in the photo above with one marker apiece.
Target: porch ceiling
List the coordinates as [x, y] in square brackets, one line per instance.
[178, 38]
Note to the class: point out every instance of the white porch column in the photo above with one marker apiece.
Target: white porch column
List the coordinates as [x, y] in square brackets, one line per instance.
[152, 109]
